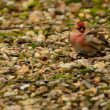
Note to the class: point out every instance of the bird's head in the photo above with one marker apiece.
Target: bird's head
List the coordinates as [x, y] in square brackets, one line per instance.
[81, 26]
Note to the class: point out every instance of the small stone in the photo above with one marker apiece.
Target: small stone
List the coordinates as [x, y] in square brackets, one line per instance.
[87, 11]
[87, 84]
[37, 55]
[81, 15]
[24, 39]
[10, 77]
[67, 65]
[30, 33]
[23, 70]
[5, 56]
[60, 43]
[100, 66]
[88, 16]
[24, 86]
[8, 40]
[4, 70]
[10, 3]
[35, 16]
[94, 90]
[107, 57]
[75, 7]
[84, 62]
[13, 107]
[41, 82]
[58, 50]
[101, 13]
[41, 90]
[38, 65]
[65, 98]
[101, 96]
[53, 83]
[45, 54]
[97, 79]
[14, 53]
[102, 20]
[85, 108]
[40, 38]
[53, 37]
[11, 93]
[14, 58]
[77, 84]
[3, 80]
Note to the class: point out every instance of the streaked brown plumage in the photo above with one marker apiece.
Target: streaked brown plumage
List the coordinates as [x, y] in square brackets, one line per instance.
[87, 41]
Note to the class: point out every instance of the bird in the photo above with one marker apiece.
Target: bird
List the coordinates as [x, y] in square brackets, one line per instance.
[87, 41]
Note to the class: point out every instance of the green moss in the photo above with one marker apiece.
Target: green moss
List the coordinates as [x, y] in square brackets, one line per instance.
[24, 15]
[33, 45]
[85, 70]
[98, 1]
[4, 34]
[59, 76]
[94, 10]
[70, 1]
[22, 55]
[69, 23]
[48, 31]
[33, 4]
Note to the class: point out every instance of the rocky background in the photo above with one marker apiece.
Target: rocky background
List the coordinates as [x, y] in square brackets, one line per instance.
[38, 66]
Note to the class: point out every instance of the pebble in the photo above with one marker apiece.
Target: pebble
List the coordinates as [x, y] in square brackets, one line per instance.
[24, 39]
[85, 108]
[41, 90]
[37, 55]
[100, 66]
[23, 70]
[67, 65]
[99, 97]
[24, 86]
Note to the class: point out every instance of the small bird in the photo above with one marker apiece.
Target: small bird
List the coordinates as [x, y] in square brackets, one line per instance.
[87, 41]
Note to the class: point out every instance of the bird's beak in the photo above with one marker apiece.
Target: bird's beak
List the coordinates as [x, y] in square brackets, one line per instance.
[82, 29]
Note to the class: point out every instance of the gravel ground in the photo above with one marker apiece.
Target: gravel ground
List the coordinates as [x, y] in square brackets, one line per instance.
[39, 69]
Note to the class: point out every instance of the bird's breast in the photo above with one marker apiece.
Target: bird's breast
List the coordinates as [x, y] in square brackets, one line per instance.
[79, 44]
[78, 40]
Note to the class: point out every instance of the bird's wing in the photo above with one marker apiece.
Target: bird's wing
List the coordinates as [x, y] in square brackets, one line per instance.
[99, 33]
[96, 39]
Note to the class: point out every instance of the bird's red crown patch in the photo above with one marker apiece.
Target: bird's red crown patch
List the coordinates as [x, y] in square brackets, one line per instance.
[81, 24]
